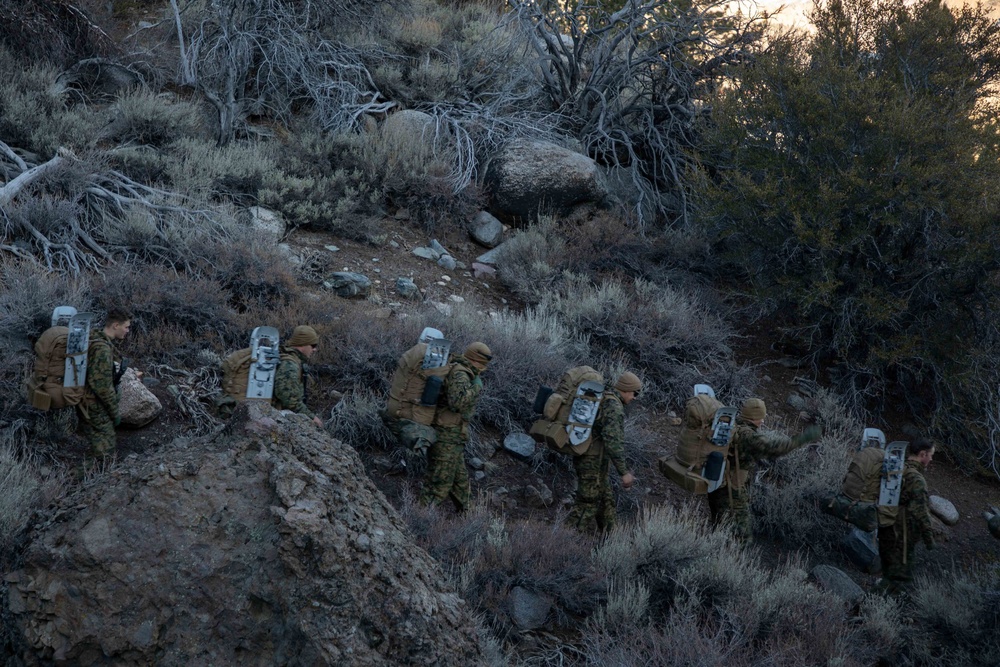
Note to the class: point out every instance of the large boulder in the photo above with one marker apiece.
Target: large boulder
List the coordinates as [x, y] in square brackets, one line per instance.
[530, 176]
[137, 405]
[266, 544]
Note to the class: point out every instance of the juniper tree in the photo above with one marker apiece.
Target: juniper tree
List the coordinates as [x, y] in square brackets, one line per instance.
[854, 186]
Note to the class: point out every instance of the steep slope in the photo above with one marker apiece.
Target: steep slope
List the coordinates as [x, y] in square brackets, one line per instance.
[266, 545]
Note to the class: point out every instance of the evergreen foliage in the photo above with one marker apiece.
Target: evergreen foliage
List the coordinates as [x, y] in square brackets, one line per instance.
[854, 187]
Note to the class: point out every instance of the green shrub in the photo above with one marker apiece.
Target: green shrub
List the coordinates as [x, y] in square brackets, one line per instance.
[955, 619]
[528, 263]
[33, 116]
[357, 421]
[783, 499]
[205, 172]
[489, 557]
[321, 184]
[20, 482]
[144, 118]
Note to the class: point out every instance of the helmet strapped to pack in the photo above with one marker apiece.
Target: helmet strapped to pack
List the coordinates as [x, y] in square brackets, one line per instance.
[699, 465]
[59, 377]
[570, 412]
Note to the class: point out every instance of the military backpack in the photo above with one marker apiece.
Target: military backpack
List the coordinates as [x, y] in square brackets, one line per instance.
[869, 494]
[418, 380]
[569, 412]
[699, 465]
[58, 379]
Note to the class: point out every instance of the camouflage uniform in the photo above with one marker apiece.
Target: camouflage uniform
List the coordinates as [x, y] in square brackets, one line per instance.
[446, 473]
[747, 447]
[290, 383]
[594, 507]
[98, 411]
[896, 543]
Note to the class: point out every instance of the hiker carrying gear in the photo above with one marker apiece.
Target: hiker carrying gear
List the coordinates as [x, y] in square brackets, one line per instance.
[594, 504]
[569, 412]
[870, 492]
[700, 463]
[748, 446]
[897, 541]
[447, 476]
[98, 410]
[290, 378]
[415, 391]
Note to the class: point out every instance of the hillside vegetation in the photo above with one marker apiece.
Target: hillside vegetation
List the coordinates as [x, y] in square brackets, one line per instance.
[837, 189]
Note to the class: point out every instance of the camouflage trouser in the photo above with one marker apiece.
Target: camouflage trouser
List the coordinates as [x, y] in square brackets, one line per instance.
[410, 434]
[446, 472]
[897, 575]
[735, 512]
[594, 507]
[98, 427]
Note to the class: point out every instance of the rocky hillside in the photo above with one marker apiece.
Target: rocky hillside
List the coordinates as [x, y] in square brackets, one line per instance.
[264, 545]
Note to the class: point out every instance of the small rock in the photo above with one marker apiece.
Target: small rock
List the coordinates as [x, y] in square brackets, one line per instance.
[407, 288]
[476, 463]
[426, 253]
[446, 278]
[479, 270]
[267, 223]
[442, 308]
[393, 244]
[479, 475]
[944, 510]
[438, 248]
[402, 214]
[491, 256]
[349, 284]
[520, 444]
[539, 496]
[486, 230]
[290, 255]
[528, 610]
[456, 298]
[447, 262]
[332, 248]
[837, 582]
[672, 414]
[797, 402]
[137, 405]
[460, 265]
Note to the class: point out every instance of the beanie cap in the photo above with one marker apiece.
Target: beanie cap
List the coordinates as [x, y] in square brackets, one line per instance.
[753, 408]
[628, 382]
[302, 336]
[478, 354]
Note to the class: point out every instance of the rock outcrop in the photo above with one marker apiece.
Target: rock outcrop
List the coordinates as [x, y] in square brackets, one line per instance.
[264, 545]
[531, 177]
